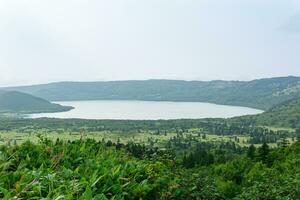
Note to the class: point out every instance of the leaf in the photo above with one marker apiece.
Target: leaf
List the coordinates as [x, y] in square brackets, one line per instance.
[60, 197]
[116, 170]
[98, 179]
[88, 193]
[7, 195]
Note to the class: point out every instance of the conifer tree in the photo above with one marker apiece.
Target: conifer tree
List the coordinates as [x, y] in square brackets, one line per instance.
[251, 151]
[263, 152]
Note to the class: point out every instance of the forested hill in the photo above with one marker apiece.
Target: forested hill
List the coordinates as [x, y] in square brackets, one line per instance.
[18, 102]
[262, 93]
[286, 114]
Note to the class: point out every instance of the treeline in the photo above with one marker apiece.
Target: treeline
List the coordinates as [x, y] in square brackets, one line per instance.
[192, 154]
[258, 135]
[206, 153]
[76, 125]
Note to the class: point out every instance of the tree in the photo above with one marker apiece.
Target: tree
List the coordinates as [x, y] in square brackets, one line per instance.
[251, 151]
[298, 134]
[263, 152]
[189, 160]
[284, 143]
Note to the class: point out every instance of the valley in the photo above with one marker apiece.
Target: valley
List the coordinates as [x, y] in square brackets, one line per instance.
[209, 158]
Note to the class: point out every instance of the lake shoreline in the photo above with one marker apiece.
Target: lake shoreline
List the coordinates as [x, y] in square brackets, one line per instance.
[146, 110]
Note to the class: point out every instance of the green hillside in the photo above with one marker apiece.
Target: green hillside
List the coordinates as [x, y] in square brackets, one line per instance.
[286, 114]
[261, 93]
[18, 102]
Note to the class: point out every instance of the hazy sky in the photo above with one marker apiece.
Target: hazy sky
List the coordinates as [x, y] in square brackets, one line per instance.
[54, 40]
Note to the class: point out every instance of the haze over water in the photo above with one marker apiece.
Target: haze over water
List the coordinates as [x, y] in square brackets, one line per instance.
[147, 110]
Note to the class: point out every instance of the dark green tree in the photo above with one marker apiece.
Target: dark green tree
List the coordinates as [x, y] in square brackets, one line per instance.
[284, 143]
[251, 152]
[298, 134]
[263, 152]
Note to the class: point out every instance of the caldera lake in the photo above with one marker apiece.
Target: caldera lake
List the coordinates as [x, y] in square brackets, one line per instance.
[146, 110]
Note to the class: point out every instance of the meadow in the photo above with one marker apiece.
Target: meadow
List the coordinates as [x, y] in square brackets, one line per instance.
[147, 138]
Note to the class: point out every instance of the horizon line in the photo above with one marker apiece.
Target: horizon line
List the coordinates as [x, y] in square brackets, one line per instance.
[150, 79]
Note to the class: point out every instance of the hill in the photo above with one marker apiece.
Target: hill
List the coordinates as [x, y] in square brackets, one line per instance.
[261, 93]
[18, 102]
[286, 114]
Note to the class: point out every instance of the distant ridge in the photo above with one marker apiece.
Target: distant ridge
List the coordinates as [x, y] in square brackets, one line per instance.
[260, 93]
[18, 102]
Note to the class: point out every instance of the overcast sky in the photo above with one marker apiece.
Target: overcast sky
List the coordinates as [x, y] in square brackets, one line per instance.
[89, 40]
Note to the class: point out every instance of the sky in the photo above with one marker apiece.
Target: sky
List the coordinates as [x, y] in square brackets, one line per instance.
[94, 40]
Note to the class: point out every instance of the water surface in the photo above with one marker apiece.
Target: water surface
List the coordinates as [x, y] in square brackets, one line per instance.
[146, 110]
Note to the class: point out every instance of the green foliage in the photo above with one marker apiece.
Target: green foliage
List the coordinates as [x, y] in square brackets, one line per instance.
[81, 169]
[251, 152]
[86, 169]
[248, 179]
[263, 153]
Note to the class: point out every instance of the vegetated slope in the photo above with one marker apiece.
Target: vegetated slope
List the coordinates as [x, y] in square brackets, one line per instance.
[18, 102]
[262, 93]
[286, 114]
[87, 169]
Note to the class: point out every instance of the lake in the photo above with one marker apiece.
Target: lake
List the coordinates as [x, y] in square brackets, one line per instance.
[148, 110]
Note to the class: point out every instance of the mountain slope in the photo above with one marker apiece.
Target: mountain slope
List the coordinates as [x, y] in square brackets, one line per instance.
[262, 93]
[18, 102]
[286, 114]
